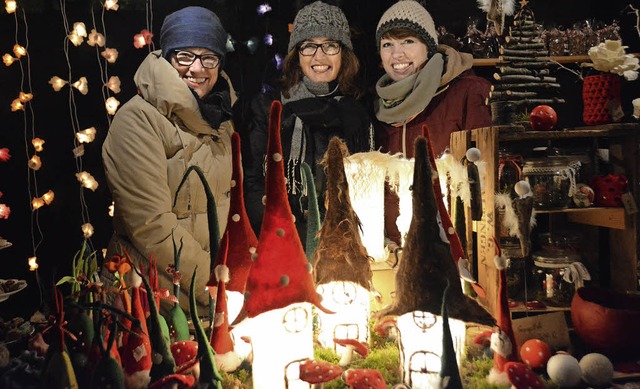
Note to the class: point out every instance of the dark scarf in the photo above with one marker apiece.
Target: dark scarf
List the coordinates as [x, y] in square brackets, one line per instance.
[216, 106]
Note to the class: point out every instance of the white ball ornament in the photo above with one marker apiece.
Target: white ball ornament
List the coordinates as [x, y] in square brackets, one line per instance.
[597, 370]
[564, 370]
[473, 154]
[522, 188]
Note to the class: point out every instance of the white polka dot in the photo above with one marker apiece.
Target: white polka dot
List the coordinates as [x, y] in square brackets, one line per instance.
[451, 230]
[264, 200]
[252, 250]
[235, 218]
[277, 157]
[233, 183]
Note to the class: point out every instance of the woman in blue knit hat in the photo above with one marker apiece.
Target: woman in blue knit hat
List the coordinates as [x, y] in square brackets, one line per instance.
[320, 95]
[180, 117]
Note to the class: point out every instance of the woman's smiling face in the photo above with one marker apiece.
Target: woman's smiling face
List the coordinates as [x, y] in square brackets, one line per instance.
[402, 57]
[320, 67]
[200, 79]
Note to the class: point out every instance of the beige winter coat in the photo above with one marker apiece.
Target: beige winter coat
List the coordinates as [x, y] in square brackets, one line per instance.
[152, 141]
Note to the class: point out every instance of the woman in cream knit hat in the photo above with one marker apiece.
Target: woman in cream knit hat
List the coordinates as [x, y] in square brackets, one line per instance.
[424, 84]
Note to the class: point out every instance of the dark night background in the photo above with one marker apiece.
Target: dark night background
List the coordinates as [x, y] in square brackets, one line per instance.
[59, 223]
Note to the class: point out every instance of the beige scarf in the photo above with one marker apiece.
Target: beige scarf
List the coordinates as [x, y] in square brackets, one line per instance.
[401, 100]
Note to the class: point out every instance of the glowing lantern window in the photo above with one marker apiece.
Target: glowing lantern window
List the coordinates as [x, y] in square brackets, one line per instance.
[19, 51]
[87, 180]
[111, 104]
[95, 38]
[87, 135]
[33, 264]
[81, 85]
[37, 203]
[34, 163]
[37, 144]
[87, 230]
[8, 59]
[111, 5]
[113, 84]
[10, 6]
[48, 197]
[57, 83]
[111, 55]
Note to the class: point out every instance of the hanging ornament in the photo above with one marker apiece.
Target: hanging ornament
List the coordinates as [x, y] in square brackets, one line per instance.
[95, 38]
[57, 83]
[8, 59]
[252, 44]
[82, 85]
[113, 84]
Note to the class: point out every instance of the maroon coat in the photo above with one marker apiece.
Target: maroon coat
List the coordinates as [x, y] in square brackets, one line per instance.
[458, 105]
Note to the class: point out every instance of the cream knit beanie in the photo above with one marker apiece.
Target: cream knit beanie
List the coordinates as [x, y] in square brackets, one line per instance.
[411, 15]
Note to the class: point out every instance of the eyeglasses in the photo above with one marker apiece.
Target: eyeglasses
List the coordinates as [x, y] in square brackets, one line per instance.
[329, 48]
[187, 58]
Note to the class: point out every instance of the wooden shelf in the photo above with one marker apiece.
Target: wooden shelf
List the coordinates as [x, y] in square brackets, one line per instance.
[524, 309]
[594, 216]
[562, 59]
[517, 133]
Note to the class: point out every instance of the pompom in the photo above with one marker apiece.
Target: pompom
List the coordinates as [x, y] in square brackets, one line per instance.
[597, 370]
[222, 273]
[522, 188]
[564, 370]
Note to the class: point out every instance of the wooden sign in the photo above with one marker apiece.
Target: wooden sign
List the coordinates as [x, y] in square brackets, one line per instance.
[550, 328]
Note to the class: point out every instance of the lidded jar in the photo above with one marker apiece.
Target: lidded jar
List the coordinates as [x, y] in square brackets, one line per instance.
[552, 182]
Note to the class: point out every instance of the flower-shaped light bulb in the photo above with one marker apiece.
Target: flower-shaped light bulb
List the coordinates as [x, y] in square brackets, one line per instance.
[37, 144]
[263, 8]
[95, 38]
[16, 105]
[86, 135]
[87, 230]
[5, 211]
[4, 154]
[112, 105]
[111, 5]
[111, 208]
[48, 197]
[37, 203]
[57, 83]
[24, 97]
[75, 38]
[138, 41]
[10, 6]
[87, 180]
[111, 55]
[113, 84]
[78, 151]
[80, 29]
[82, 85]
[8, 59]
[19, 51]
[33, 263]
[34, 163]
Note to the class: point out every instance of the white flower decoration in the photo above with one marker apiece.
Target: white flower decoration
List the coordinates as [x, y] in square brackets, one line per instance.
[610, 57]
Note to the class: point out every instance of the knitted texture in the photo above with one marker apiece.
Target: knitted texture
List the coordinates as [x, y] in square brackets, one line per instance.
[598, 91]
[320, 20]
[411, 15]
[193, 27]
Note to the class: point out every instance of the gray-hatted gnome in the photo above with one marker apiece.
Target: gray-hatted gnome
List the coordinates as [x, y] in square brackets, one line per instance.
[342, 266]
[424, 272]
[280, 290]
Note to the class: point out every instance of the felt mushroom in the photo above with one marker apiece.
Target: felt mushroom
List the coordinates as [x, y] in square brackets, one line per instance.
[364, 379]
[522, 377]
[174, 381]
[184, 352]
[352, 345]
[387, 327]
[318, 373]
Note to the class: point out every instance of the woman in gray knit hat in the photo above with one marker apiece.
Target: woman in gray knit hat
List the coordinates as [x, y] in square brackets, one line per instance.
[180, 117]
[425, 84]
[319, 94]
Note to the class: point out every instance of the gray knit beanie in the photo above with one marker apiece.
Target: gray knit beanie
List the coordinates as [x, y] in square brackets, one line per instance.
[320, 20]
[193, 27]
[409, 14]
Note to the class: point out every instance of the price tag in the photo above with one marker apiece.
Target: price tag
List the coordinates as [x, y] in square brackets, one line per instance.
[629, 203]
[615, 110]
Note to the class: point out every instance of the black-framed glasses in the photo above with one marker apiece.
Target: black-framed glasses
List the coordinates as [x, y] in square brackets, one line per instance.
[187, 58]
[329, 48]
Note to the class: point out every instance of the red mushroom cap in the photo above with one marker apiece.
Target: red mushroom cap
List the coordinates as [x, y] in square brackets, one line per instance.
[359, 347]
[318, 372]
[483, 338]
[183, 381]
[364, 379]
[383, 327]
[521, 376]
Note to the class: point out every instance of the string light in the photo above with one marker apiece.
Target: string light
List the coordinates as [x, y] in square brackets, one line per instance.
[24, 97]
[57, 83]
[87, 135]
[37, 203]
[16, 105]
[5, 211]
[33, 264]
[4, 154]
[80, 29]
[110, 54]
[111, 5]
[95, 38]
[8, 59]
[111, 208]
[75, 38]
[37, 144]
[87, 180]
[34, 163]
[19, 51]
[264, 8]
[113, 84]
[78, 151]
[82, 85]
[87, 230]
[48, 197]
[10, 6]
[268, 39]
[142, 39]
[112, 105]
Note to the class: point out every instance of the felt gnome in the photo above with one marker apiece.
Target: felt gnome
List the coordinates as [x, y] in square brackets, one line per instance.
[449, 373]
[427, 265]
[341, 264]
[238, 236]
[281, 274]
[226, 358]
[455, 244]
[313, 216]
[176, 318]
[136, 352]
[503, 341]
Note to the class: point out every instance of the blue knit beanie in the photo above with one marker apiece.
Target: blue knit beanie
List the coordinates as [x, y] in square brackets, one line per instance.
[193, 27]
